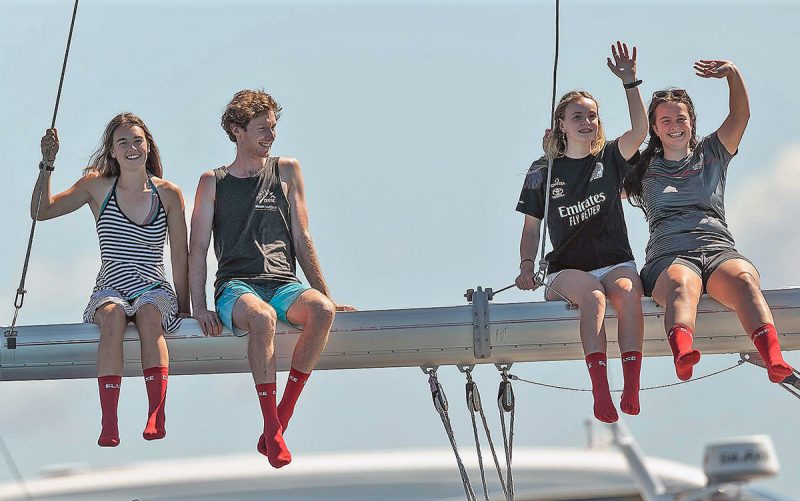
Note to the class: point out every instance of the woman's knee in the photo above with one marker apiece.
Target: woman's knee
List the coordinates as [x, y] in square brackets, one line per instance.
[110, 315]
[148, 319]
[593, 301]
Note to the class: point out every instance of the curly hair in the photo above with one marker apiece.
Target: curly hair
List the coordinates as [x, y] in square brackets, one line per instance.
[633, 181]
[555, 143]
[246, 105]
[104, 164]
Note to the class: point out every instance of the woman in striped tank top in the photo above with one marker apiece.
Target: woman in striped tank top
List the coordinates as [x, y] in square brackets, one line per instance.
[134, 209]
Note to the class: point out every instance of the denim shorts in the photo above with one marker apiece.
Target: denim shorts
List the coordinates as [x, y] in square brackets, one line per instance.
[279, 295]
[599, 273]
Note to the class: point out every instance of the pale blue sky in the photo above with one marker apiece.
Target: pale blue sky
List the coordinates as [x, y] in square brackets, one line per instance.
[414, 122]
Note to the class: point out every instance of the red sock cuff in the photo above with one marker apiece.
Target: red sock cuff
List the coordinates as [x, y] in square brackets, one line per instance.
[298, 376]
[631, 356]
[156, 371]
[682, 329]
[764, 329]
[594, 358]
[266, 389]
[114, 380]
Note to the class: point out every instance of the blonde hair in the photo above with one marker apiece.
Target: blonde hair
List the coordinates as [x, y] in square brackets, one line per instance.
[555, 143]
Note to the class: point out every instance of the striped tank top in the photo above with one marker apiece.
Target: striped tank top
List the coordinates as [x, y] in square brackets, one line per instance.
[132, 254]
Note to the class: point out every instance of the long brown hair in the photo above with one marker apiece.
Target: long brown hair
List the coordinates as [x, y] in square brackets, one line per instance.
[104, 164]
[633, 181]
[555, 143]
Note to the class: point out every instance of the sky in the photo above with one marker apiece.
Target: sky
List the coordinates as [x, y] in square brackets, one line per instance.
[414, 122]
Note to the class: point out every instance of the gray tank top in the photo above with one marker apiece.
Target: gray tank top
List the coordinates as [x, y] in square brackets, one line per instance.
[252, 228]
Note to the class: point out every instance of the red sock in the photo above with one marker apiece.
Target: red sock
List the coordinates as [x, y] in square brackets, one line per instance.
[680, 340]
[271, 442]
[603, 406]
[109, 398]
[155, 380]
[766, 340]
[294, 386]
[631, 367]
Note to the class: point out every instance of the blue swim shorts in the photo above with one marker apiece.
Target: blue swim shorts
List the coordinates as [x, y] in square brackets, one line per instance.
[279, 295]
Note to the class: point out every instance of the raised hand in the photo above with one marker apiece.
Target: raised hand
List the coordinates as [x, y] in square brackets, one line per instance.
[710, 68]
[624, 64]
[49, 146]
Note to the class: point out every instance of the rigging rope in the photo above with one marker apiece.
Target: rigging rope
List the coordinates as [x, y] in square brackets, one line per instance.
[474, 405]
[440, 404]
[20, 297]
[569, 388]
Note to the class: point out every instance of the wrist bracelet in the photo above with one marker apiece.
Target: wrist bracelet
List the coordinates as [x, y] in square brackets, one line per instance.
[632, 85]
[531, 260]
[47, 167]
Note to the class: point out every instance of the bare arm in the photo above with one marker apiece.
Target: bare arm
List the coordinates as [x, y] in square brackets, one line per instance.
[624, 67]
[528, 246]
[732, 129]
[179, 253]
[64, 202]
[301, 237]
[199, 241]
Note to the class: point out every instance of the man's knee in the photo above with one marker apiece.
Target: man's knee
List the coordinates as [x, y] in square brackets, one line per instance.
[685, 289]
[322, 311]
[262, 320]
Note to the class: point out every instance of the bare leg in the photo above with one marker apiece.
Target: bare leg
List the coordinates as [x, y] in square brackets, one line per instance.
[589, 294]
[315, 312]
[151, 337]
[258, 318]
[678, 289]
[736, 285]
[155, 366]
[624, 290]
[112, 322]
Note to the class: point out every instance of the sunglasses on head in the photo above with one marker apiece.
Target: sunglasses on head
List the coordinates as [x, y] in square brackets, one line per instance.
[661, 94]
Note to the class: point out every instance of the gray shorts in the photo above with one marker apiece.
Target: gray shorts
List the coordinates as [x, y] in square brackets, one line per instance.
[703, 262]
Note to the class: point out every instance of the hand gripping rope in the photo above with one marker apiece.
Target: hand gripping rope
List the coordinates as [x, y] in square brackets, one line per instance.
[11, 334]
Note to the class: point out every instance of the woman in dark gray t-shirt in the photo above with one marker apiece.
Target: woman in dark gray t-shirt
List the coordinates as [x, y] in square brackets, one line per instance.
[679, 183]
[591, 261]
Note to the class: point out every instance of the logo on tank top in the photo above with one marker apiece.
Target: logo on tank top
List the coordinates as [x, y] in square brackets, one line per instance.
[670, 189]
[597, 173]
[266, 200]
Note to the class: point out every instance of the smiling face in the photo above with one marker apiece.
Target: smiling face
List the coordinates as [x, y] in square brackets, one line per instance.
[580, 122]
[673, 125]
[259, 134]
[129, 147]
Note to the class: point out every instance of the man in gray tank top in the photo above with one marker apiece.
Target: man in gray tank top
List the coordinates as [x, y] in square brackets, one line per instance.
[255, 209]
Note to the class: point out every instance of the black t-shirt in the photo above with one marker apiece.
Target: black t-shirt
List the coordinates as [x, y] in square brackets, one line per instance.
[585, 221]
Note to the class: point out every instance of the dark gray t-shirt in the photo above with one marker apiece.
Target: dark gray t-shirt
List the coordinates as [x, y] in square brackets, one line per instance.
[684, 201]
[252, 228]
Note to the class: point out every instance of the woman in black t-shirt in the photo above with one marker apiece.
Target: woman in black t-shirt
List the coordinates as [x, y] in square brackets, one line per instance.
[591, 261]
